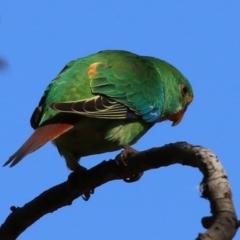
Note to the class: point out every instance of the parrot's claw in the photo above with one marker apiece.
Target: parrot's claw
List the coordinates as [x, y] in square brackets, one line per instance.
[133, 178]
[87, 195]
[72, 180]
[121, 159]
[127, 152]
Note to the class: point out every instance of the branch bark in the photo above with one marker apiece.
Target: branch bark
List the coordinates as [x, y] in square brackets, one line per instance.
[222, 225]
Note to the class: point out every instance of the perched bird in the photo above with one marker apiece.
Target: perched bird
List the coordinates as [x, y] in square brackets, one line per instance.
[104, 102]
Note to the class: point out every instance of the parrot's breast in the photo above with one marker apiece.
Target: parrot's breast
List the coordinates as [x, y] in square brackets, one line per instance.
[93, 136]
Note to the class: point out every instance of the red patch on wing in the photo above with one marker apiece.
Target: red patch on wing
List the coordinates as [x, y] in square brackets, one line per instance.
[92, 69]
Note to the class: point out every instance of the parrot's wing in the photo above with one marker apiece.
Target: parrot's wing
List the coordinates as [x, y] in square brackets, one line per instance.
[97, 107]
[125, 88]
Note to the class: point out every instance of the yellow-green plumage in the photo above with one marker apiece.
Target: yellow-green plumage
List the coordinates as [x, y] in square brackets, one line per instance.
[106, 101]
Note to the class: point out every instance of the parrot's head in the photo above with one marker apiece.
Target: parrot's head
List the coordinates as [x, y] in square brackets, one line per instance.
[178, 94]
[185, 98]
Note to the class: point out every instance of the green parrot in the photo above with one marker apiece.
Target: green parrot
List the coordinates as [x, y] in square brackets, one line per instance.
[104, 102]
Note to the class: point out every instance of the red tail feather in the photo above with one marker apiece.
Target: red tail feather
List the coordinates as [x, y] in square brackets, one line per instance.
[40, 136]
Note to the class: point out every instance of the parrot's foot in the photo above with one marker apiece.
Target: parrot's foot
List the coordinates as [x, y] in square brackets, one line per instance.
[133, 178]
[13, 208]
[121, 159]
[86, 196]
[127, 152]
[72, 180]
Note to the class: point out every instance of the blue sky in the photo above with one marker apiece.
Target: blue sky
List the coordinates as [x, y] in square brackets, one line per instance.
[198, 37]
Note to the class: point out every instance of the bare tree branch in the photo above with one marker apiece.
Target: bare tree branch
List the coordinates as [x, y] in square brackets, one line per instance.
[215, 187]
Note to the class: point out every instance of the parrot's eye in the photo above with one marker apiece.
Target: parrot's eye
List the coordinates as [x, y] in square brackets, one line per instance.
[184, 90]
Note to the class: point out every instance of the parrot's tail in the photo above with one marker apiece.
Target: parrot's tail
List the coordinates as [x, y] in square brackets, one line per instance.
[40, 136]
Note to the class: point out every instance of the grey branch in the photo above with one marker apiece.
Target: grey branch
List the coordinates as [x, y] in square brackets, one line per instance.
[223, 223]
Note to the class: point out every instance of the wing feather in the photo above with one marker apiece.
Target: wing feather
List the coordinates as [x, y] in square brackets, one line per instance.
[97, 107]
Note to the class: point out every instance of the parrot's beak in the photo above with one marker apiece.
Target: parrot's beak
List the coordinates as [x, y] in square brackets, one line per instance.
[176, 118]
